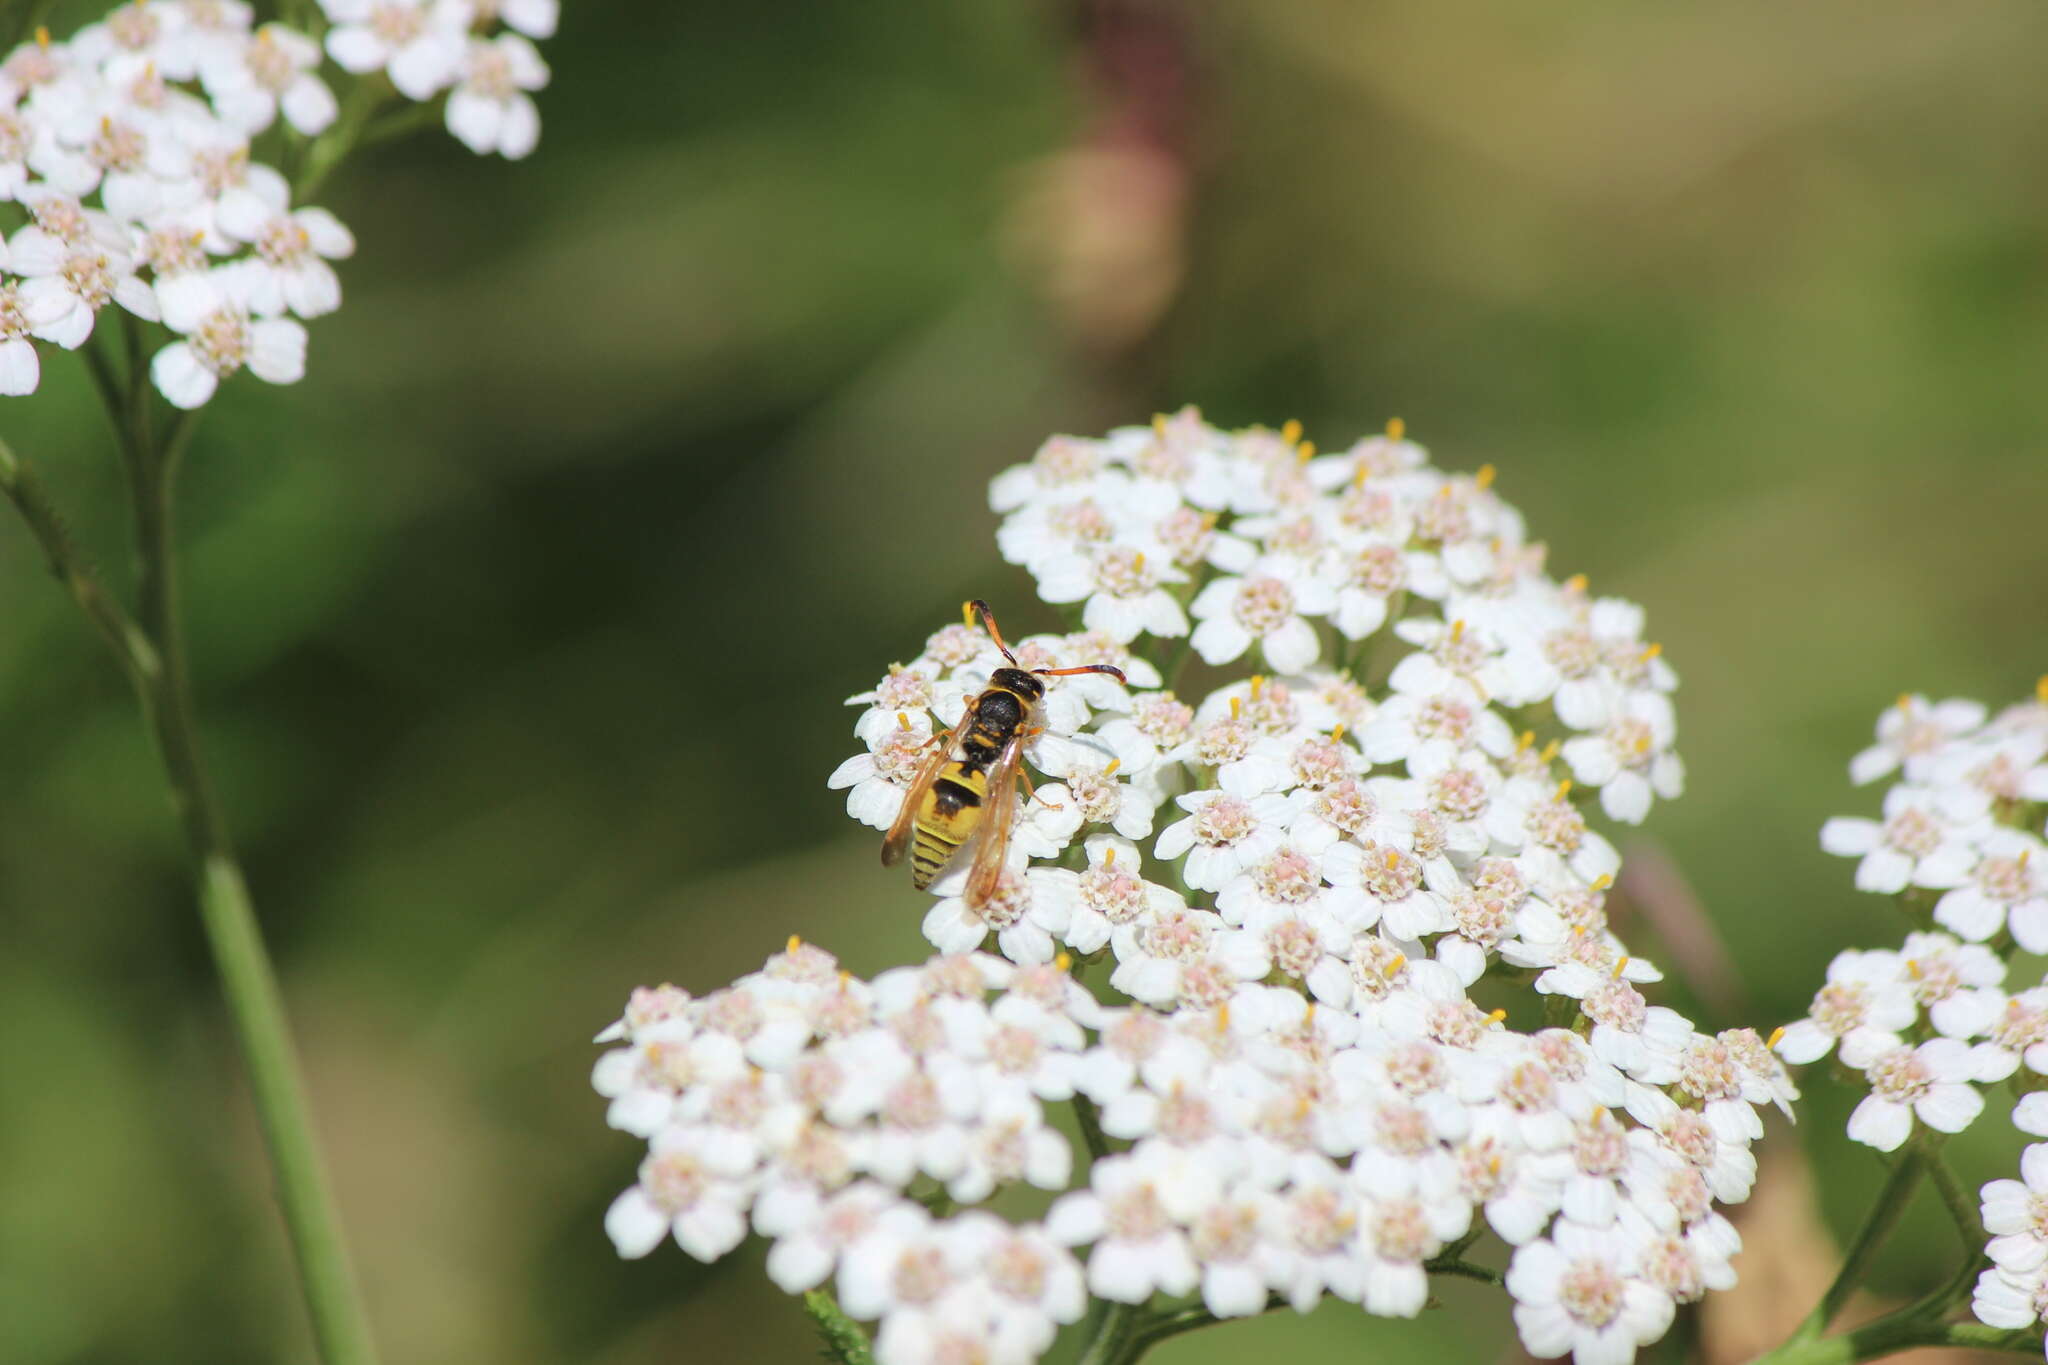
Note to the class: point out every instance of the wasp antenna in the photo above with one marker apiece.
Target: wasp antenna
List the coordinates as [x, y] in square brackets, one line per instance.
[988, 621]
[1113, 672]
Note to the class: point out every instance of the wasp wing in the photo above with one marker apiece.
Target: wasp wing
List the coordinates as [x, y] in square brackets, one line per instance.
[897, 840]
[998, 816]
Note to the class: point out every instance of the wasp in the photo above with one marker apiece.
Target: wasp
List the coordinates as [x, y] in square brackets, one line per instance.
[970, 781]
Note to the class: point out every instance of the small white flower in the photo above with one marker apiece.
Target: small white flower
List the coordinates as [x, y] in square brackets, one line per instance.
[1269, 607]
[1025, 910]
[1931, 1081]
[681, 1191]
[273, 70]
[1138, 1250]
[2007, 888]
[20, 369]
[879, 779]
[2016, 1215]
[1911, 734]
[1925, 839]
[1630, 760]
[490, 109]
[1865, 997]
[421, 47]
[220, 338]
[1222, 835]
[2009, 1300]
[534, 18]
[289, 271]
[1580, 1292]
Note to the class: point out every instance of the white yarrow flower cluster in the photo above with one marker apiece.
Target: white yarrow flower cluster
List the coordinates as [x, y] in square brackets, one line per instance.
[1960, 842]
[129, 151]
[813, 1106]
[1292, 883]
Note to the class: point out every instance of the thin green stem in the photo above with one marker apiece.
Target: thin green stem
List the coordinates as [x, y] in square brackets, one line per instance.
[1449, 1264]
[1149, 1332]
[1089, 1119]
[150, 648]
[1189, 1319]
[257, 1008]
[1902, 1331]
[328, 150]
[845, 1342]
[132, 649]
[1962, 1205]
[1883, 1217]
[248, 981]
[1115, 1341]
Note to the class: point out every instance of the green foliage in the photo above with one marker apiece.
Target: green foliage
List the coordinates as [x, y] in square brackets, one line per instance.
[520, 627]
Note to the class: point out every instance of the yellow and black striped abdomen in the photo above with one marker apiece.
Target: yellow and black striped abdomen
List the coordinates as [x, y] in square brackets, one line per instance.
[947, 819]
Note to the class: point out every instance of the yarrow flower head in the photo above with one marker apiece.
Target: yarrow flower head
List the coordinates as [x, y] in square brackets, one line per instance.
[1285, 885]
[131, 149]
[1927, 1027]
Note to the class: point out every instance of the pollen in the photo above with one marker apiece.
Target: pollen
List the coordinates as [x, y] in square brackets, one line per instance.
[1305, 452]
[1109, 857]
[2041, 689]
[1290, 431]
[1399, 961]
[1484, 478]
[1457, 630]
[1550, 751]
[1620, 966]
[1358, 477]
[967, 614]
[903, 720]
[42, 37]
[1258, 685]
[1564, 789]
[1576, 583]
[1237, 704]
[1336, 732]
[795, 942]
[1497, 1016]
[1652, 651]
[1064, 962]
[1396, 429]
[1603, 881]
[1777, 1036]
[1109, 770]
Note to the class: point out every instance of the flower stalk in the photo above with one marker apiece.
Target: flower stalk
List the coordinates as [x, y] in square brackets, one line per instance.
[1884, 1216]
[150, 649]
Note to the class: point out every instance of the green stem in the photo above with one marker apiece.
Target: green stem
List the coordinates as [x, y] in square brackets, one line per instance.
[845, 1342]
[1116, 1340]
[1089, 1119]
[1903, 1331]
[247, 979]
[1180, 1320]
[328, 150]
[1883, 1217]
[1149, 1332]
[132, 649]
[1961, 1203]
[339, 1326]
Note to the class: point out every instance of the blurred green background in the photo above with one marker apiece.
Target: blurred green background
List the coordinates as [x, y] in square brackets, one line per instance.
[521, 626]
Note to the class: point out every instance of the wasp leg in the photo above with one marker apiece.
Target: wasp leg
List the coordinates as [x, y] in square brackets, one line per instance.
[1030, 787]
